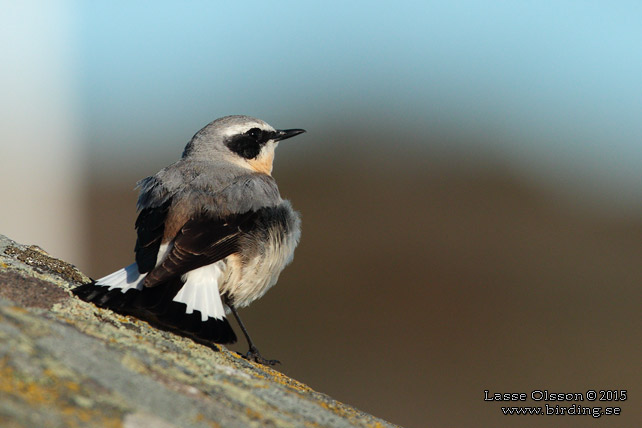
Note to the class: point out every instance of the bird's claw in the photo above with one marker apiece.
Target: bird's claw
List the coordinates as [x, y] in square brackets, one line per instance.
[254, 355]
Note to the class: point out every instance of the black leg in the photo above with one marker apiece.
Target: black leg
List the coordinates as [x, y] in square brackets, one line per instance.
[253, 353]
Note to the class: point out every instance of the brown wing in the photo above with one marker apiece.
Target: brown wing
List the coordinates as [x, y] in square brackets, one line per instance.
[201, 241]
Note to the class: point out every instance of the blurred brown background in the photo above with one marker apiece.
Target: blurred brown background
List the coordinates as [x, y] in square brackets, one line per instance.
[470, 183]
[419, 284]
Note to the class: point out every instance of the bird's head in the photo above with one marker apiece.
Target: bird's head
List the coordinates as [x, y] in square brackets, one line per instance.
[241, 140]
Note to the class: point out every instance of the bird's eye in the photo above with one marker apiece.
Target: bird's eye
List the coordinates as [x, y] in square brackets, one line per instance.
[255, 133]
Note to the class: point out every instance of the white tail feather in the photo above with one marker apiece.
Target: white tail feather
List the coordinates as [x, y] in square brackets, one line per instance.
[200, 292]
[129, 277]
[124, 279]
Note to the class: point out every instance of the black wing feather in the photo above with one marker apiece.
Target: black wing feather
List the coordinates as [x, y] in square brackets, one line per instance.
[150, 226]
[203, 240]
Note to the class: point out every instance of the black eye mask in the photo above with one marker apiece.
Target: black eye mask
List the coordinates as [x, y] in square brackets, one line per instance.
[248, 145]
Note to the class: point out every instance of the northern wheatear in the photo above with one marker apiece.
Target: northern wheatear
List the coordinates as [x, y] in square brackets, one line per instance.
[212, 233]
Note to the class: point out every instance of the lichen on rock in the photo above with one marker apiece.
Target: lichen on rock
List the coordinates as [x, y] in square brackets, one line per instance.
[67, 363]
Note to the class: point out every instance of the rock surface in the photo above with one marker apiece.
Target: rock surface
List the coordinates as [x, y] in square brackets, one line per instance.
[67, 363]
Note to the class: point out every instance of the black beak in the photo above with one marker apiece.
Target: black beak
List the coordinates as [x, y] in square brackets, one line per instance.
[284, 134]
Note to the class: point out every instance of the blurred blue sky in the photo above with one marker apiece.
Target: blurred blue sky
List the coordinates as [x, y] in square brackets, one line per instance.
[557, 80]
[554, 86]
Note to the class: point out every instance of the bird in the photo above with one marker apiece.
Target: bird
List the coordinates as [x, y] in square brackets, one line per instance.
[212, 235]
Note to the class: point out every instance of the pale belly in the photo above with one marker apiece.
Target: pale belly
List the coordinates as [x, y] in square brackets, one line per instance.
[248, 277]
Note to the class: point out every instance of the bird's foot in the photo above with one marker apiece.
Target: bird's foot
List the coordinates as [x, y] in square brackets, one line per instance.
[254, 355]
